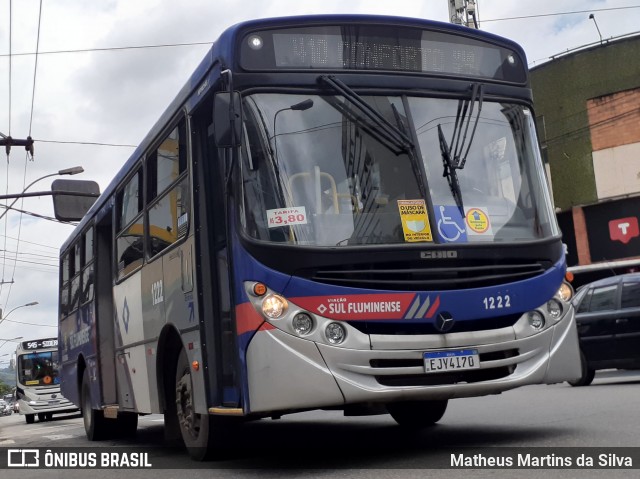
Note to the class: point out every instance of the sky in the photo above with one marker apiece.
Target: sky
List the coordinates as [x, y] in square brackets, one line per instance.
[86, 100]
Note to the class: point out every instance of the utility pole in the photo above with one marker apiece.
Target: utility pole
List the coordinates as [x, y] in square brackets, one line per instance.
[463, 12]
[8, 142]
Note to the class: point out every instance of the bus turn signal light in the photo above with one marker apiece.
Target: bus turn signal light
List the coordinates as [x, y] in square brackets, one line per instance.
[259, 289]
[195, 365]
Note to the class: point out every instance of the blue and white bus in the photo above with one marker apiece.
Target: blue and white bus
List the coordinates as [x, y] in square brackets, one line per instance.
[344, 212]
[38, 382]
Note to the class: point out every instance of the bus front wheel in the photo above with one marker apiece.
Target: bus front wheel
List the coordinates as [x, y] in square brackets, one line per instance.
[417, 414]
[30, 418]
[201, 433]
[94, 421]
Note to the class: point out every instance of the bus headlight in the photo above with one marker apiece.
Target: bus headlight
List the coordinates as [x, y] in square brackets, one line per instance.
[335, 333]
[554, 308]
[274, 306]
[302, 324]
[565, 293]
[536, 320]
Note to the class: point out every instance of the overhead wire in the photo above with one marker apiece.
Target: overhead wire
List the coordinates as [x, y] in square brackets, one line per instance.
[2, 282]
[26, 163]
[591, 10]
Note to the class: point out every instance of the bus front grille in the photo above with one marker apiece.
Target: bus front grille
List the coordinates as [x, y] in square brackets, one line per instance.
[407, 277]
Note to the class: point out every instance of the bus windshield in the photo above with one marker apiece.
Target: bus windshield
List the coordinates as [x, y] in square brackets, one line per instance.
[38, 369]
[318, 171]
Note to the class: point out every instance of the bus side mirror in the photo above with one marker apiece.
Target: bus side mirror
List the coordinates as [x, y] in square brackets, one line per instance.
[73, 198]
[227, 119]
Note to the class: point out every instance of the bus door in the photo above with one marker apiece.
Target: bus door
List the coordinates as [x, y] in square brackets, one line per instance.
[213, 260]
[104, 308]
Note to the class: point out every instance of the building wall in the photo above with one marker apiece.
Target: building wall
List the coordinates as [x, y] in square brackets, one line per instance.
[564, 90]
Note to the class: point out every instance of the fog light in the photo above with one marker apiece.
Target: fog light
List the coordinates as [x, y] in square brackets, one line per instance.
[554, 308]
[274, 306]
[302, 323]
[536, 320]
[335, 333]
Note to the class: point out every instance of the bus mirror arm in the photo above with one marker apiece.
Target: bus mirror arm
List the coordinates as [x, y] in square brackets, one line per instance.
[227, 116]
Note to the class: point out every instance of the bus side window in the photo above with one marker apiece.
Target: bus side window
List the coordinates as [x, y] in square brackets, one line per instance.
[64, 289]
[130, 221]
[74, 291]
[87, 267]
[168, 191]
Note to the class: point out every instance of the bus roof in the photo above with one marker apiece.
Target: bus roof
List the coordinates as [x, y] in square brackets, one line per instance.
[222, 53]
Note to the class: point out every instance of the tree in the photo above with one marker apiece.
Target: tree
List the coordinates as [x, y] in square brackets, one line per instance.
[4, 389]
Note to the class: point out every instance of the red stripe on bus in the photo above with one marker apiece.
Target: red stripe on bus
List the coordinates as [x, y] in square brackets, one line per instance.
[247, 318]
[434, 307]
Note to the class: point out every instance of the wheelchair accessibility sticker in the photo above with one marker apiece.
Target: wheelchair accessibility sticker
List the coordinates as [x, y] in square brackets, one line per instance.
[451, 224]
[454, 228]
[415, 222]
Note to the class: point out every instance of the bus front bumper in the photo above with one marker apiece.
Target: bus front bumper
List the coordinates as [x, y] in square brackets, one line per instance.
[286, 372]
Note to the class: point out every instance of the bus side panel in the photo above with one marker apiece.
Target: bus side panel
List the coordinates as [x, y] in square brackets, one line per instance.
[132, 375]
[78, 340]
[182, 310]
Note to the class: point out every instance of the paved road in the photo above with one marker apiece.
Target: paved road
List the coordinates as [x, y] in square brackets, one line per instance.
[315, 444]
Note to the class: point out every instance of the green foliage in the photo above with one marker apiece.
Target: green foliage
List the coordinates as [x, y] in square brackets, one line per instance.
[4, 389]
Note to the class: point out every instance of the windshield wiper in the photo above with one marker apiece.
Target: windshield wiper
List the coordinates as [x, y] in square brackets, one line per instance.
[450, 171]
[454, 154]
[386, 131]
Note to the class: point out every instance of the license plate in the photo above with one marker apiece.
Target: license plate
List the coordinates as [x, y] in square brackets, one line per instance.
[54, 401]
[455, 360]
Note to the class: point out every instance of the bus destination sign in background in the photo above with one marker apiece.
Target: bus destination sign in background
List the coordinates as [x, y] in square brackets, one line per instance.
[40, 344]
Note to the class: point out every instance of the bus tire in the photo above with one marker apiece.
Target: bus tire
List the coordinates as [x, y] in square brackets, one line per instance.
[94, 421]
[42, 417]
[417, 414]
[30, 418]
[586, 373]
[198, 431]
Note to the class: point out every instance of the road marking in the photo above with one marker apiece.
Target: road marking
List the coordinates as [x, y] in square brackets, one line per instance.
[6, 442]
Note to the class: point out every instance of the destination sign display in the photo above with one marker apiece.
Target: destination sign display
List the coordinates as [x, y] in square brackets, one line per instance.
[40, 344]
[379, 48]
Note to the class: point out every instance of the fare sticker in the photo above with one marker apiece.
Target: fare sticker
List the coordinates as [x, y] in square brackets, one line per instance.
[296, 215]
[415, 222]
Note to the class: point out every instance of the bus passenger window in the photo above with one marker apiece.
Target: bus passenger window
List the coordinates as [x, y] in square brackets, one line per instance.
[64, 288]
[129, 241]
[130, 248]
[167, 163]
[130, 200]
[168, 219]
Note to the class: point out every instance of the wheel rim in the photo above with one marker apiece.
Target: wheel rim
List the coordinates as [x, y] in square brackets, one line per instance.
[187, 418]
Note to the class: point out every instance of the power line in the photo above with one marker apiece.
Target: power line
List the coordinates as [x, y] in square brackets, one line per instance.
[558, 14]
[26, 158]
[109, 49]
[91, 143]
[30, 324]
